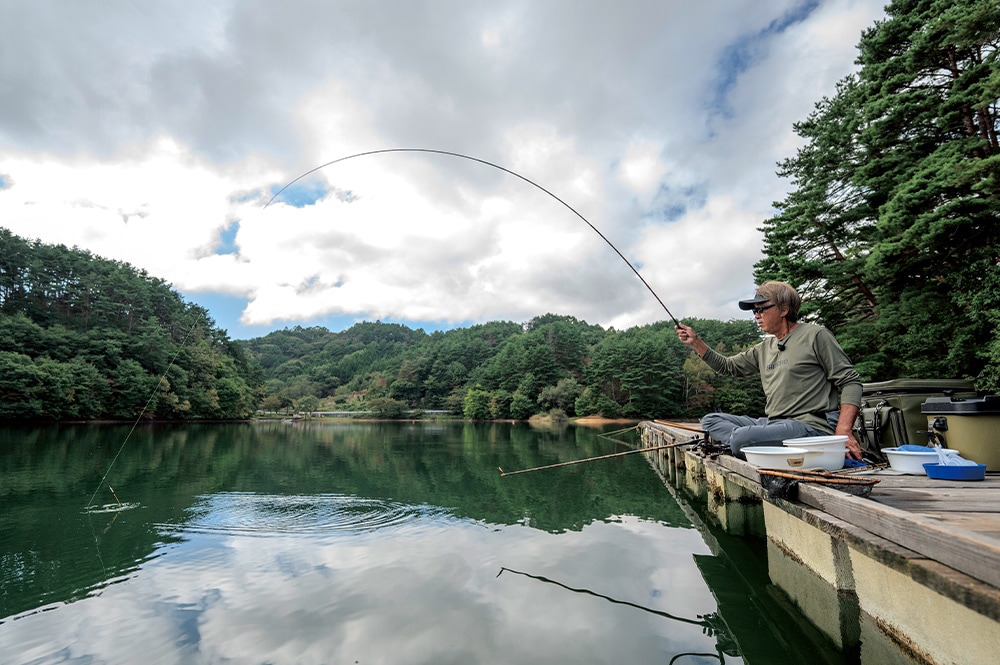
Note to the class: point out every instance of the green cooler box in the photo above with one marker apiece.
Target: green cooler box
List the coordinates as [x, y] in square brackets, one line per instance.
[970, 426]
[890, 410]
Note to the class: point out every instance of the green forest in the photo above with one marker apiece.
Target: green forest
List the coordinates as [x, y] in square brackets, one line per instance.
[85, 338]
[889, 231]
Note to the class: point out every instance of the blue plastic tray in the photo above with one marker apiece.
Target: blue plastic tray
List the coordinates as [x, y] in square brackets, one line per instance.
[952, 472]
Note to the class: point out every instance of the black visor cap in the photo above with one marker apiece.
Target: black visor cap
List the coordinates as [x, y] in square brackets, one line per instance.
[753, 302]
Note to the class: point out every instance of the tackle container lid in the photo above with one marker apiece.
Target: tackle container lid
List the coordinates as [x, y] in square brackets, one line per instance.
[959, 405]
[901, 386]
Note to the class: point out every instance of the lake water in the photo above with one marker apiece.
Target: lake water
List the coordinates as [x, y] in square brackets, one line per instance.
[365, 543]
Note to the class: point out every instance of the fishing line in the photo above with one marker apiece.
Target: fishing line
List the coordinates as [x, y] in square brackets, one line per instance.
[712, 624]
[610, 436]
[705, 621]
[591, 459]
[496, 166]
[149, 401]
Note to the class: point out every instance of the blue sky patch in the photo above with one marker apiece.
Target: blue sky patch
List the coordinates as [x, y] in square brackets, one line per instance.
[225, 309]
[740, 56]
[301, 194]
[227, 239]
[671, 204]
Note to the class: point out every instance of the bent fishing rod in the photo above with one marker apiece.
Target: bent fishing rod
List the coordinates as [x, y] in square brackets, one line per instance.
[496, 166]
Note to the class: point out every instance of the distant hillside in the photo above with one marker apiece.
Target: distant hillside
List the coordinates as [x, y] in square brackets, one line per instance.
[502, 370]
[83, 337]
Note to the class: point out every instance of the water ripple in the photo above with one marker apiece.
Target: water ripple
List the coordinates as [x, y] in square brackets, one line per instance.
[264, 514]
[110, 508]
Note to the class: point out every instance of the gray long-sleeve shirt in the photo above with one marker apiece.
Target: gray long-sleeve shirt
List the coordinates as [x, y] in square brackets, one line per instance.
[811, 376]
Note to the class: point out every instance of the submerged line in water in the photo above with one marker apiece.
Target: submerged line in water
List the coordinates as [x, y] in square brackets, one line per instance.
[703, 622]
[496, 166]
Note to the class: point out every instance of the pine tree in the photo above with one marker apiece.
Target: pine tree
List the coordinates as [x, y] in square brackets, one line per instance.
[892, 228]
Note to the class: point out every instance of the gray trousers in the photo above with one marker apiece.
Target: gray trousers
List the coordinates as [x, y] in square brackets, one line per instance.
[739, 432]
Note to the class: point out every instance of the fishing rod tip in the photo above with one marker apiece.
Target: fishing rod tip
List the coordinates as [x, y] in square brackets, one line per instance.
[501, 471]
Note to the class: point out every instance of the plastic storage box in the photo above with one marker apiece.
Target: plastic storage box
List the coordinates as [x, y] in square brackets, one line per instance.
[969, 425]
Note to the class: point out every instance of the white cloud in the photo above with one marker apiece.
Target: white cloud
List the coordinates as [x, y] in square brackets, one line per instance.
[706, 259]
[642, 169]
[132, 132]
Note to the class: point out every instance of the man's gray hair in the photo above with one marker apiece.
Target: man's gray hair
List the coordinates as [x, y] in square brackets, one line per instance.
[782, 295]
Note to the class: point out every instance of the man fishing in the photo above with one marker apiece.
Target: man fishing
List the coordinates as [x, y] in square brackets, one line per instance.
[812, 388]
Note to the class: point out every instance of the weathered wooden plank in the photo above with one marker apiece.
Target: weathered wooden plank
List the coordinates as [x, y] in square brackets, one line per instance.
[974, 554]
[991, 496]
[939, 500]
[985, 523]
[931, 505]
[992, 481]
[742, 467]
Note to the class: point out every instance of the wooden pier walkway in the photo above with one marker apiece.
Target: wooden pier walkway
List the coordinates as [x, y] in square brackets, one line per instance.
[921, 555]
[956, 523]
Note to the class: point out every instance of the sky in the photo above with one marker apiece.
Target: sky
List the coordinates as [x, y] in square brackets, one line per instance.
[636, 134]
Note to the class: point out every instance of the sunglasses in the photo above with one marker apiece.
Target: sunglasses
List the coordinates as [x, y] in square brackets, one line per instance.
[761, 310]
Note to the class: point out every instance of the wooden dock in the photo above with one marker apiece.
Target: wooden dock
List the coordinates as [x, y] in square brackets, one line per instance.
[921, 556]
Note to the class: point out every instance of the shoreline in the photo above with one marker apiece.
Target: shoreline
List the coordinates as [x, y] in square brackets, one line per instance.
[585, 421]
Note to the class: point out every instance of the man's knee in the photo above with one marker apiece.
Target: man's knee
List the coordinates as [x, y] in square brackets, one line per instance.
[710, 420]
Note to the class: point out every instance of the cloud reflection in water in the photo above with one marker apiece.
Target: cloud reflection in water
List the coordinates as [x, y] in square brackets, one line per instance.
[336, 579]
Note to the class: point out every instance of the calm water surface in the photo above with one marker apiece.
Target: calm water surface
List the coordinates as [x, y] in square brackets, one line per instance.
[358, 543]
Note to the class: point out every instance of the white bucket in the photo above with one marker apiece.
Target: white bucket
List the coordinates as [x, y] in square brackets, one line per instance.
[910, 462]
[829, 460]
[828, 451]
[777, 457]
[831, 442]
